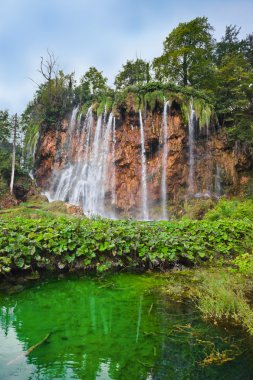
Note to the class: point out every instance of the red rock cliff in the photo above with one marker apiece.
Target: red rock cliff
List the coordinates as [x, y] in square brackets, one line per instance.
[218, 167]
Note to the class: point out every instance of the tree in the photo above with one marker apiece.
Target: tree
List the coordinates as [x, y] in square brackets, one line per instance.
[187, 56]
[11, 144]
[247, 48]
[54, 97]
[133, 72]
[229, 44]
[48, 66]
[4, 126]
[93, 85]
[234, 96]
[234, 80]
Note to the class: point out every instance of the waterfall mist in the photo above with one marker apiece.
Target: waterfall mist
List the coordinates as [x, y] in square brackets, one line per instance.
[85, 182]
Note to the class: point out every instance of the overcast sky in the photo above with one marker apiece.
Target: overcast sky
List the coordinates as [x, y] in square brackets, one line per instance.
[100, 33]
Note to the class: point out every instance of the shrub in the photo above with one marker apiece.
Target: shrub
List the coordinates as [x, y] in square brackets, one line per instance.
[101, 244]
[231, 209]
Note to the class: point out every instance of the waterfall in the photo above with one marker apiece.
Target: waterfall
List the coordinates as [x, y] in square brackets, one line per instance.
[164, 161]
[104, 163]
[96, 166]
[113, 189]
[144, 195]
[71, 130]
[217, 181]
[191, 120]
[84, 182]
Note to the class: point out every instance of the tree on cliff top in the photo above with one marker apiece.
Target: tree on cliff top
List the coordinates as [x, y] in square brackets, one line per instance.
[93, 85]
[187, 56]
[54, 97]
[133, 72]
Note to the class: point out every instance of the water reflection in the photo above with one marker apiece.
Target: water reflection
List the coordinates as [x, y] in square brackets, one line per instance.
[116, 328]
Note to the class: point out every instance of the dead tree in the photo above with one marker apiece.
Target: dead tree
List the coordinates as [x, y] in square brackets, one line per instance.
[49, 71]
[48, 66]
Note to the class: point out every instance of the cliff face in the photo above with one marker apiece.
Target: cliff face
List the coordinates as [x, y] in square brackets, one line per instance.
[217, 168]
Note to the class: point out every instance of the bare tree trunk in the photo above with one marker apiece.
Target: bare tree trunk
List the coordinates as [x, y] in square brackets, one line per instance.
[13, 154]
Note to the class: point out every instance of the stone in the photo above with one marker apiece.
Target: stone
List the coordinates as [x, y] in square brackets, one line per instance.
[73, 210]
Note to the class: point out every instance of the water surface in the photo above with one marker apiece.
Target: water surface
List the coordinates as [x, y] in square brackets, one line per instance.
[115, 327]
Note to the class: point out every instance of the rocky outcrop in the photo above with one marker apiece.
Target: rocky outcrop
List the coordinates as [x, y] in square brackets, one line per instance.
[219, 168]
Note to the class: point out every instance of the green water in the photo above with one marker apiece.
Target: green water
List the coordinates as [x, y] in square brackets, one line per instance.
[117, 327]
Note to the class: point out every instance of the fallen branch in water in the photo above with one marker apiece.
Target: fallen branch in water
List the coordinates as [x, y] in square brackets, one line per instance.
[37, 344]
[31, 349]
[150, 309]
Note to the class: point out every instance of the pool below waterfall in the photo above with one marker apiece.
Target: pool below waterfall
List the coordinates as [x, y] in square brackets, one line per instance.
[118, 326]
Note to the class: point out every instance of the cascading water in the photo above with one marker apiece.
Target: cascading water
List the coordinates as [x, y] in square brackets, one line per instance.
[191, 121]
[104, 163]
[71, 130]
[113, 189]
[84, 182]
[144, 198]
[217, 181]
[164, 161]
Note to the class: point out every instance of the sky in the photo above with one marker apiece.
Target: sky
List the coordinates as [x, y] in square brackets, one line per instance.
[100, 33]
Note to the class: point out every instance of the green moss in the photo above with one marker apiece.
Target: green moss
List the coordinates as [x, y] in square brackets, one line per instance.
[151, 99]
[31, 138]
[84, 109]
[203, 112]
[100, 107]
[138, 97]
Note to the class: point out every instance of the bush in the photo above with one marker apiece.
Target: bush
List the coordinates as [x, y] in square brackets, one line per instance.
[232, 209]
[102, 244]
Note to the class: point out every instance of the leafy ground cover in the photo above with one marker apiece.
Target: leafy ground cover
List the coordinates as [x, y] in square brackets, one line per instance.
[72, 243]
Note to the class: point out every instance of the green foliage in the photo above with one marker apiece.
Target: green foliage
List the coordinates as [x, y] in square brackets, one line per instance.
[234, 94]
[229, 44]
[222, 298]
[234, 78]
[138, 97]
[31, 244]
[244, 264]
[220, 294]
[232, 210]
[6, 148]
[151, 99]
[93, 86]
[5, 126]
[133, 72]
[197, 208]
[187, 56]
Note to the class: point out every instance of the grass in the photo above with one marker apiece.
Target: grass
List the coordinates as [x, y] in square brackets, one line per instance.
[223, 298]
[36, 207]
[222, 295]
